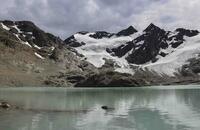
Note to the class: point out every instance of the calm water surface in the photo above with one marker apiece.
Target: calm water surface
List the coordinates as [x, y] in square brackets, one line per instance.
[156, 108]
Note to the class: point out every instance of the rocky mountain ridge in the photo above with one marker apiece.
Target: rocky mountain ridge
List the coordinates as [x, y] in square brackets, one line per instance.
[137, 49]
[30, 56]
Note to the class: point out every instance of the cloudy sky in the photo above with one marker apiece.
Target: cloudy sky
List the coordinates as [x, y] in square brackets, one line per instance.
[65, 17]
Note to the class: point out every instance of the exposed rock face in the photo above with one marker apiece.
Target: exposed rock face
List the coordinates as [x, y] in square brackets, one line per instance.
[72, 42]
[147, 47]
[153, 40]
[122, 50]
[5, 105]
[127, 32]
[101, 34]
[29, 56]
[186, 32]
[111, 79]
[192, 68]
[178, 39]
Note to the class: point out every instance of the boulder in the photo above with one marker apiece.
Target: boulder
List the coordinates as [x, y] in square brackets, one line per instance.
[5, 105]
[106, 108]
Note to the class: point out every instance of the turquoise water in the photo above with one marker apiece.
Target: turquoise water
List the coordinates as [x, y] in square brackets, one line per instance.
[156, 108]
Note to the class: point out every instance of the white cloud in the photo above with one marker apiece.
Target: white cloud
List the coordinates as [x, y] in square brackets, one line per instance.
[171, 14]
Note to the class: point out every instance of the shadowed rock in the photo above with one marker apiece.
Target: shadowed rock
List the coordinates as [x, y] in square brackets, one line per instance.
[5, 105]
[107, 108]
[126, 32]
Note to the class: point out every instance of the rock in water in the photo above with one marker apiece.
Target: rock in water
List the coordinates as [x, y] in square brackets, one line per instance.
[5, 105]
[107, 108]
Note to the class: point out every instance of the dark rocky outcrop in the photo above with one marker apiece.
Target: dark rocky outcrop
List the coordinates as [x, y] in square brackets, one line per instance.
[187, 32]
[127, 32]
[71, 41]
[146, 47]
[101, 34]
[32, 33]
[152, 40]
[8, 22]
[83, 32]
[178, 39]
[5, 105]
[121, 50]
[192, 68]
[111, 79]
[106, 108]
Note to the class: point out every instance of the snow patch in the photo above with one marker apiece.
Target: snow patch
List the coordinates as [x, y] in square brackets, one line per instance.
[26, 43]
[30, 33]
[18, 30]
[34, 45]
[172, 34]
[16, 35]
[5, 27]
[39, 56]
[52, 48]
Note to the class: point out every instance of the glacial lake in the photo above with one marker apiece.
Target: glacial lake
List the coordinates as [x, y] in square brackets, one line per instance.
[151, 108]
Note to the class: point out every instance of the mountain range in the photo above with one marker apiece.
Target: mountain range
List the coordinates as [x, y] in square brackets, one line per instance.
[30, 56]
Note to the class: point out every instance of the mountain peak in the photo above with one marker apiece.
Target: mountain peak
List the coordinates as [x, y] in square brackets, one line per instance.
[131, 27]
[126, 32]
[187, 32]
[152, 27]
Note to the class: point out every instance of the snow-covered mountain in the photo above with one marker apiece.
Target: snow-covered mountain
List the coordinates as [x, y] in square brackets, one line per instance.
[29, 34]
[155, 49]
[30, 56]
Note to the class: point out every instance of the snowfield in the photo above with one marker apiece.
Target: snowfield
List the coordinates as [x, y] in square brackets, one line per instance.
[179, 56]
[95, 52]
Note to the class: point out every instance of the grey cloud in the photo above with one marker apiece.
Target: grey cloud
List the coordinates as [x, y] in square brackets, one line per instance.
[65, 17]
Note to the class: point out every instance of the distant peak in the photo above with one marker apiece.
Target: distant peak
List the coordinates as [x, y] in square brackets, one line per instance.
[187, 32]
[126, 32]
[131, 27]
[151, 27]
[27, 23]
[8, 22]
